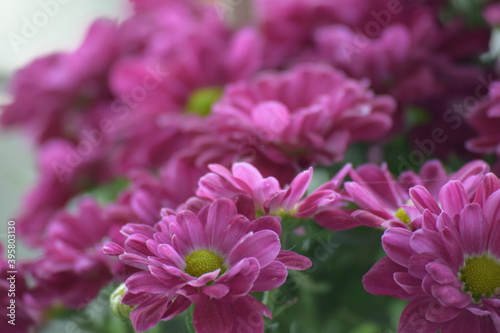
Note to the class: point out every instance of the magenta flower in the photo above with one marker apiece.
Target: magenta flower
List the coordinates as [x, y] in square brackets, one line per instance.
[62, 94]
[385, 201]
[213, 259]
[73, 269]
[64, 173]
[450, 268]
[267, 194]
[307, 115]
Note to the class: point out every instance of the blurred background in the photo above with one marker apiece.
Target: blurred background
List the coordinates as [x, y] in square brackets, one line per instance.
[60, 25]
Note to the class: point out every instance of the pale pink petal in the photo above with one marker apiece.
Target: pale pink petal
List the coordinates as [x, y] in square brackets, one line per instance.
[263, 245]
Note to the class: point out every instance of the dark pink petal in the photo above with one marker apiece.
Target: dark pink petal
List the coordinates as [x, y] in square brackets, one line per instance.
[453, 244]
[474, 229]
[213, 316]
[396, 243]
[177, 306]
[465, 322]
[134, 260]
[266, 223]
[489, 185]
[442, 273]
[166, 278]
[190, 230]
[215, 291]
[241, 277]
[236, 229]
[146, 315]
[112, 249]
[453, 198]
[263, 245]
[427, 241]
[424, 200]
[470, 175]
[418, 265]
[336, 219]
[136, 244]
[380, 279]
[135, 299]
[205, 278]
[270, 277]
[451, 296]
[144, 282]
[248, 315]
[167, 252]
[297, 189]
[492, 215]
[292, 260]
[362, 197]
[370, 219]
[409, 283]
[413, 319]
[219, 214]
[437, 313]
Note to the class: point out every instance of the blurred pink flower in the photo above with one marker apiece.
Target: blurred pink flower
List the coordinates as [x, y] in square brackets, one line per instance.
[73, 269]
[485, 119]
[213, 259]
[64, 173]
[60, 95]
[307, 115]
[450, 268]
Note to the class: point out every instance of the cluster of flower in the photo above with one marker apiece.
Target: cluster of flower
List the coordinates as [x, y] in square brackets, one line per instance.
[190, 127]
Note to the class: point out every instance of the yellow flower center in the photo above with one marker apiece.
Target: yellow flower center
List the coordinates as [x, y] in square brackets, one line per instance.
[203, 261]
[201, 101]
[481, 276]
[402, 215]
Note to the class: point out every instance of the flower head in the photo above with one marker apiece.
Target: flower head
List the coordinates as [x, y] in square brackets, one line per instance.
[307, 115]
[267, 194]
[213, 259]
[449, 268]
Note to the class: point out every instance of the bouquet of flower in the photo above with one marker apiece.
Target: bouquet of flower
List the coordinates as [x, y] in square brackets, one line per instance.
[232, 166]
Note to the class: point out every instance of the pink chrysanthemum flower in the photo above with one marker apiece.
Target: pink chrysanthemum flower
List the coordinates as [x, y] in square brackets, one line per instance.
[62, 94]
[267, 194]
[385, 201]
[213, 259]
[450, 268]
[307, 115]
[73, 269]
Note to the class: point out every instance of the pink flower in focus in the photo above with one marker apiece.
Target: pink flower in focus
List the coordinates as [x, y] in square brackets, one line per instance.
[267, 194]
[450, 268]
[307, 115]
[213, 259]
[384, 201]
